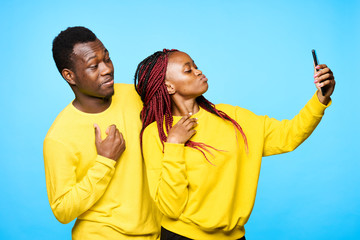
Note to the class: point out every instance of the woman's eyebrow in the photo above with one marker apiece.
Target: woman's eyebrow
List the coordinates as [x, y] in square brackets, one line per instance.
[187, 63]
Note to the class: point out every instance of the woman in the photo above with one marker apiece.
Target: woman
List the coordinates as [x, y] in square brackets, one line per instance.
[202, 160]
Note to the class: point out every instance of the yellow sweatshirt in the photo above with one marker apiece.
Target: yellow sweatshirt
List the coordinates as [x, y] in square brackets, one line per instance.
[110, 200]
[202, 201]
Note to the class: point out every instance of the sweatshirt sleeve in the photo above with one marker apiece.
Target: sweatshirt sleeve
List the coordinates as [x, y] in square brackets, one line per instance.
[286, 135]
[69, 197]
[166, 173]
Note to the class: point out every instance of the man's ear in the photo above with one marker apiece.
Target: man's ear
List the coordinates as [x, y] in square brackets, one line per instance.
[170, 87]
[69, 76]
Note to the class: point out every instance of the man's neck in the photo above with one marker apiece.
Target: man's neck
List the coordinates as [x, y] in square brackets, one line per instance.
[91, 104]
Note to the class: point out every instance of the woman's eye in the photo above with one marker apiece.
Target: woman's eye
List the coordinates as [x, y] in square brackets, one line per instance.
[188, 71]
[107, 60]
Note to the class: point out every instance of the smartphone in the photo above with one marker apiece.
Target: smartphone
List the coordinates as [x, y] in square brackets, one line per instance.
[316, 63]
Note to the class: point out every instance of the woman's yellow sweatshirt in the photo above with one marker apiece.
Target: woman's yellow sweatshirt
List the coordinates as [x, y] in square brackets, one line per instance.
[204, 201]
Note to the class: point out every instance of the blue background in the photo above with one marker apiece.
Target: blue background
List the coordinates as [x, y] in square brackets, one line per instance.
[256, 54]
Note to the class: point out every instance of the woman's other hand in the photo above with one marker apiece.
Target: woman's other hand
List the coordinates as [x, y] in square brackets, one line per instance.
[183, 130]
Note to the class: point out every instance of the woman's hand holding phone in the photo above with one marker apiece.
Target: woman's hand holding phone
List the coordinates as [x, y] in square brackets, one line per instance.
[324, 80]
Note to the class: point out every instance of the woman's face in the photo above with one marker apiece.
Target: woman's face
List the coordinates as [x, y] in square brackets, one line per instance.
[183, 78]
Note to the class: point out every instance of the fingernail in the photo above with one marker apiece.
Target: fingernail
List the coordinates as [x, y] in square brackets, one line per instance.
[315, 81]
[190, 113]
[316, 75]
[317, 67]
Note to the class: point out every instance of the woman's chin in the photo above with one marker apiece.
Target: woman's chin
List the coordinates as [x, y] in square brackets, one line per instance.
[205, 89]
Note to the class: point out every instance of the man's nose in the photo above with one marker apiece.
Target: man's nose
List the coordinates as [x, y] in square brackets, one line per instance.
[107, 68]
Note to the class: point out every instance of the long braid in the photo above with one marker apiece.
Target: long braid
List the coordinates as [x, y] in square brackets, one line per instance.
[149, 83]
[210, 107]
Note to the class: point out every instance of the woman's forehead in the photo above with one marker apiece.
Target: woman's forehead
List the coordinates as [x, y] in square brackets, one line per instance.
[179, 57]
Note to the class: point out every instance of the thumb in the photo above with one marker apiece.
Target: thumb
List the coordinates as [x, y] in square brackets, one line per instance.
[97, 133]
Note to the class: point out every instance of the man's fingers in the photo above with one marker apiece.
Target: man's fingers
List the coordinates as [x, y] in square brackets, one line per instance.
[97, 133]
[110, 131]
[117, 133]
[122, 140]
[118, 136]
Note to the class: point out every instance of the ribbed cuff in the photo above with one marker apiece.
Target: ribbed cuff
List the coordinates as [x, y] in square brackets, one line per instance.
[106, 161]
[174, 151]
[316, 107]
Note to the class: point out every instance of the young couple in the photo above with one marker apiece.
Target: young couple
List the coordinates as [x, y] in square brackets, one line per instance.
[202, 161]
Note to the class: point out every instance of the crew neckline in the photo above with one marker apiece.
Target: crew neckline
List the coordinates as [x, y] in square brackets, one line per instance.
[73, 108]
[195, 115]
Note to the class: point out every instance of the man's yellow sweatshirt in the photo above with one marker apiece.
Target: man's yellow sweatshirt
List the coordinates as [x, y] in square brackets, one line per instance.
[109, 199]
[204, 201]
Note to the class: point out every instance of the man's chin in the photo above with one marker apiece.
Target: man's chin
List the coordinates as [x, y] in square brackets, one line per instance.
[110, 94]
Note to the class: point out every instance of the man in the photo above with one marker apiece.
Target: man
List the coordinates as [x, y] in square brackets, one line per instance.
[90, 177]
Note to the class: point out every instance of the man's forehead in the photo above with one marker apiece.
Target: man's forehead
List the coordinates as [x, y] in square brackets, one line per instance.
[89, 48]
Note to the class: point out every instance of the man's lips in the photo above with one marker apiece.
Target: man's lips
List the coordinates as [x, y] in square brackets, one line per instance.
[107, 82]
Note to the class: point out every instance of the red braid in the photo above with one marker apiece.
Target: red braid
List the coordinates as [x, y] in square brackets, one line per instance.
[150, 84]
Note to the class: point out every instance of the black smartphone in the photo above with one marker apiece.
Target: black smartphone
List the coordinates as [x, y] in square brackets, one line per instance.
[316, 63]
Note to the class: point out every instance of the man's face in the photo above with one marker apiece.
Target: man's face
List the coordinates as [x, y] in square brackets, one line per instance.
[93, 70]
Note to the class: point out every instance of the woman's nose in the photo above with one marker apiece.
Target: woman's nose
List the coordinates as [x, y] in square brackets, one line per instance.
[198, 72]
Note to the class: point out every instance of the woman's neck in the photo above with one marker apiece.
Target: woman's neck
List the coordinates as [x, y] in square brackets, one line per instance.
[184, 107]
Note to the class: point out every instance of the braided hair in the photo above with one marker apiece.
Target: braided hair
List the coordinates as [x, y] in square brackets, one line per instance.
[149, 83]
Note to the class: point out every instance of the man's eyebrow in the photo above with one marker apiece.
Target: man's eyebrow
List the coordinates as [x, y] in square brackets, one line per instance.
[94, 56]
[91, 57]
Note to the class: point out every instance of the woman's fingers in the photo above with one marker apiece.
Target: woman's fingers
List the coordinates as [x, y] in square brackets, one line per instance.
[190, 123]
[183, 119]
[183, 130]
[326, 76]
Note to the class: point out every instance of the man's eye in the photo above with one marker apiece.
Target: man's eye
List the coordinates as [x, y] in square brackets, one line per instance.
[93, 66]
[107, 60]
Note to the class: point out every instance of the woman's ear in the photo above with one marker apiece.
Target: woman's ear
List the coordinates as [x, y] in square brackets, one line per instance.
[170, 87]
[69, 76]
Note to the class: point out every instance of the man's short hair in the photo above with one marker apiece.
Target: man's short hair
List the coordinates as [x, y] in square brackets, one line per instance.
[63, 45]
